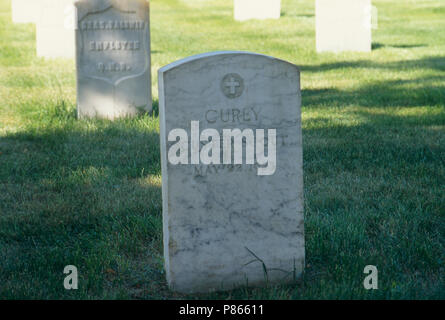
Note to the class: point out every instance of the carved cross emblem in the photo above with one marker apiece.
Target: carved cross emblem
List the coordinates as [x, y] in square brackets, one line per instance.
[232, 85]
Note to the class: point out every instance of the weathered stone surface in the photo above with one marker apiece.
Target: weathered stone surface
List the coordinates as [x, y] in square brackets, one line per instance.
[55, 29]
[343, 25]
[257, 9]
[113, 58]
[25, 11]
[223, 221]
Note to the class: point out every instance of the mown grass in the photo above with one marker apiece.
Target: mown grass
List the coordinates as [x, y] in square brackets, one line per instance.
[88, 193]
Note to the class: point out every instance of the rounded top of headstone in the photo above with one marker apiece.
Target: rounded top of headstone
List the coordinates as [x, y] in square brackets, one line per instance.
[219, 54]
[85, 7]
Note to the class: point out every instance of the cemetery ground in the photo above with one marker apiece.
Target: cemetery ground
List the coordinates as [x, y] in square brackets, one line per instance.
[88, 193]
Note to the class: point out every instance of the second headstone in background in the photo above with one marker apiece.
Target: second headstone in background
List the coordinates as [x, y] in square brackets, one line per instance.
[55, 29]
[113, 58]
[256, 9]
[343, 25]
[25, 11]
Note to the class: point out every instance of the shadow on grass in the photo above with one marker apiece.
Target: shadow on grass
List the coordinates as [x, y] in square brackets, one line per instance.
[403, 93]
[424, 91]
[366, 187]
[292, 14]
[86, 193]
[434, 63]
[122, 150]
[377, 45]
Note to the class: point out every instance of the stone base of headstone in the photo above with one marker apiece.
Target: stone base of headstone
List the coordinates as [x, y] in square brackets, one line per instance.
[343, 25]
[257, 9]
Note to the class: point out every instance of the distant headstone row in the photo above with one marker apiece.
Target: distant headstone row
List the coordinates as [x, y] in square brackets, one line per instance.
[55, 24]
[256, 9]
[343, 25]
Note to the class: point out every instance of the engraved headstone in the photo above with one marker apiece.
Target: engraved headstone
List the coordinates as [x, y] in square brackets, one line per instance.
[113, 58]
[25, 11]
[232, 177]
[343, 25]
[55, 29]
[256, 9]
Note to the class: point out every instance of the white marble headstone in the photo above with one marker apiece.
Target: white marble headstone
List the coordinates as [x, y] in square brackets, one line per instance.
[113, 58]
[343, 25]
[225, 218]
[55, 29]
[256, 9]
[25, 11]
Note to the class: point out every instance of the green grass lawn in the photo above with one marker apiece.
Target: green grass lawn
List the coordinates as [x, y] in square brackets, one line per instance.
[88, 193]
